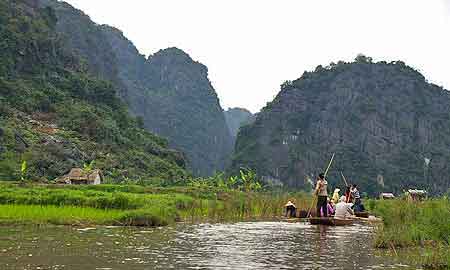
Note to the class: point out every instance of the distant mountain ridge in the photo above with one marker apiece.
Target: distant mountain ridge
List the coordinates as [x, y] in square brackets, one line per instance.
[169, 91]
[382, 120]
[236, 117]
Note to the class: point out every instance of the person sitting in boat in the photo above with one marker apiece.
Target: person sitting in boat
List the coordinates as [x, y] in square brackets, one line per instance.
[322, 196]
[343, 209]
[291, 210]
[348, 194]
[330, 208]
[357, 204]
[335, 198]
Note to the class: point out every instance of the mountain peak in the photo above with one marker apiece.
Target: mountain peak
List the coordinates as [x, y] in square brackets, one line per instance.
[381, 119]
[172, 52]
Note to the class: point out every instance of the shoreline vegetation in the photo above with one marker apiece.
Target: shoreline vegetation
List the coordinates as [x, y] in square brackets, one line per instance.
[419, 230]
[132, 205]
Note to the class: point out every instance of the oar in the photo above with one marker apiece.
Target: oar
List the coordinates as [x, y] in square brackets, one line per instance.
[345, 181]
[329, 165]
[324, 175]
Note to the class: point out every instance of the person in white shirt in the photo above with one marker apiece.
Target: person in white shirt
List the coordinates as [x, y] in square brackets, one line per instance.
[343, 209]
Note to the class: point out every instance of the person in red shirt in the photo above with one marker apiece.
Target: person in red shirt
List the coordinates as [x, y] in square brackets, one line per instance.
[348, 195]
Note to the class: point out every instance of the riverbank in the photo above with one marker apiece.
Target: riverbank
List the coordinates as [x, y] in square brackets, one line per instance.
[419, 230]
[129, 205]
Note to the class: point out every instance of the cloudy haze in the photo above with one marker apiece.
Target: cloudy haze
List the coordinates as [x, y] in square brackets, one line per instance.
[252, 46]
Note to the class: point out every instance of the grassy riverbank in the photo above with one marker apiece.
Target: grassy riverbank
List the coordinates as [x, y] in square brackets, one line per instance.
[135, 205]
[416, 228]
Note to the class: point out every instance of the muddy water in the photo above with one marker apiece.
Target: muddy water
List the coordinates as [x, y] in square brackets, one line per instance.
[247, 245]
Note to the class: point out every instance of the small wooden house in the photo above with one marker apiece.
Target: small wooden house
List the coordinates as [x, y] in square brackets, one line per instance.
[387, 196]
[416, 194]
[78, 176]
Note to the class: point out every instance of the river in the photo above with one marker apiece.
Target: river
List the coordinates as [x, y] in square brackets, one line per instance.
[244, 245]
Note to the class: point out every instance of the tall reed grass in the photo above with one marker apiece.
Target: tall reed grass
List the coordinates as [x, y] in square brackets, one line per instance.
[68, 215]
[424, 226]
[142, 206]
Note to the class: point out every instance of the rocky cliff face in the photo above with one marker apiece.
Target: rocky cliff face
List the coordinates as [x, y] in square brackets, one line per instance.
[182, 105]
[237, 117]
[387, 125]
[169, 91]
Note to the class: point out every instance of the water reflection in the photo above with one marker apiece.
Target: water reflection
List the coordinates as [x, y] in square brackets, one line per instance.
[247, 245]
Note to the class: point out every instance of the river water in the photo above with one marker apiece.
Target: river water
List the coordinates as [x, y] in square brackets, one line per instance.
[245, 245]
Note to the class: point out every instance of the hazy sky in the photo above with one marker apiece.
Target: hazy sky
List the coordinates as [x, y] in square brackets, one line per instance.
[252, 46]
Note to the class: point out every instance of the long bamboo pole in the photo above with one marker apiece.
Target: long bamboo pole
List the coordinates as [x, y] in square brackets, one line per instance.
[315, 195]
[345, 181]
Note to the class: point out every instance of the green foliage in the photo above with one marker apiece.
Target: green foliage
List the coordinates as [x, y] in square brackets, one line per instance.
[9, 162]
[88, 167]
[413, 223]
[87, 198]
[50, 214]
[416, 224]
[361, 58]
[246, 181]
[57, 116]
[23, 170]
[137, 205]
[381, 119]
[148, 217]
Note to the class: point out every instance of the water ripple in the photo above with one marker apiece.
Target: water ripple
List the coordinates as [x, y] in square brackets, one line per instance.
[245, 245]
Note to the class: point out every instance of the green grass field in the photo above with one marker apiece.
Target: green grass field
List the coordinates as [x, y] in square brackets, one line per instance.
[418, 227]
[136, 205]
[67, 215]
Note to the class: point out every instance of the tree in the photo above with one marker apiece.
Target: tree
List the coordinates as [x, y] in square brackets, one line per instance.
[286, 85]
[361, 58]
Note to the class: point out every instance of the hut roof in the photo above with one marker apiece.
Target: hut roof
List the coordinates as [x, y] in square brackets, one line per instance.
[387, 195]
[417, 191]
[77, 174]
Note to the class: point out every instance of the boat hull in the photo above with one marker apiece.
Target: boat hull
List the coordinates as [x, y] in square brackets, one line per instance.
[330, 221]
[362, 214]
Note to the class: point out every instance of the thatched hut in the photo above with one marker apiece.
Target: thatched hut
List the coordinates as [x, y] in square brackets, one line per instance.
[78, 176]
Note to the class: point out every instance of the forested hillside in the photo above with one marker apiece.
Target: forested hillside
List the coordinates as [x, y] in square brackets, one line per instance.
[55, 115]
[169, 91]
[389, 128]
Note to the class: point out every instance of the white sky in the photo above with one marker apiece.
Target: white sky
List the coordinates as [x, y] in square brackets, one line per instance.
[252, 46]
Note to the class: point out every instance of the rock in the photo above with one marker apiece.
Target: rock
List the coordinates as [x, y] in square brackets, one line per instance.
[237, 117]
[21, 144]
[381, 119]
[170, 91]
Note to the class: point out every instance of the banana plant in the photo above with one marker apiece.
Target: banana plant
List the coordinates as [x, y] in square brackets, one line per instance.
[88, 167]
[23, 170]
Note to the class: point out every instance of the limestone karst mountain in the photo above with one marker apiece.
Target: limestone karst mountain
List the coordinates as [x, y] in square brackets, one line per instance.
[237, 117]
[383, 120]
[169, 92]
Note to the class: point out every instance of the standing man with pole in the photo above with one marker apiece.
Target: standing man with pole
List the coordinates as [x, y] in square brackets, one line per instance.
[315, 191]
[322, 195]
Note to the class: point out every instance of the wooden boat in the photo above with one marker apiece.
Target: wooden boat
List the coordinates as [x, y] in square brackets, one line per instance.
[330, 221]
[293, 220]
[370, 219]
[362, 214]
